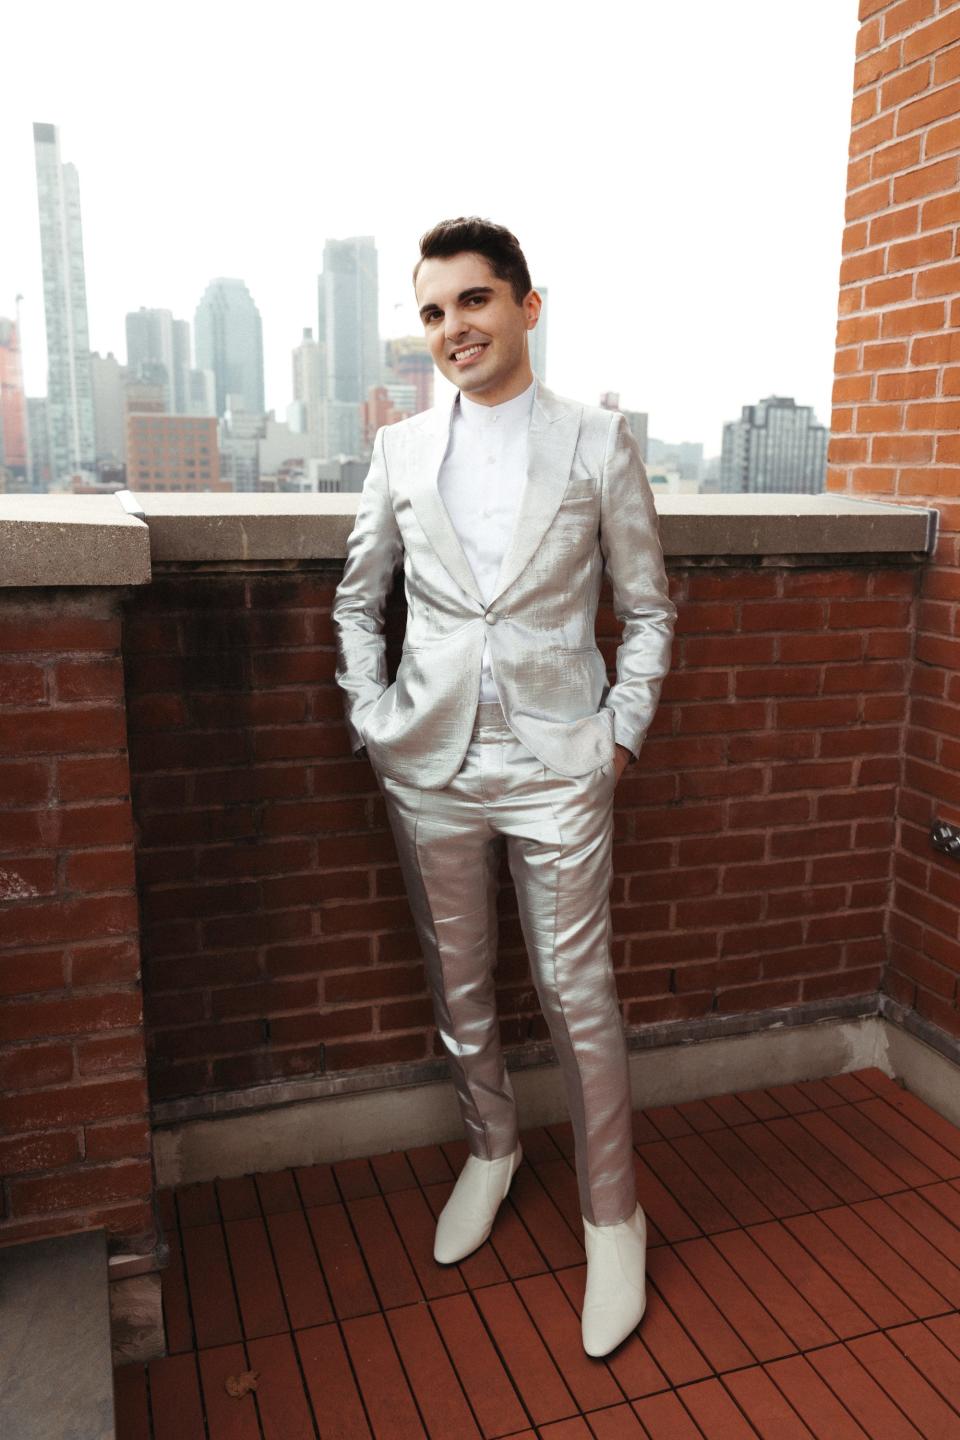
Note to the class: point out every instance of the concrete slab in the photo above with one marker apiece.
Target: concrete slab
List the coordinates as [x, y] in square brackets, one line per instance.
[71, 540]
[56, 1377]
[196, 527]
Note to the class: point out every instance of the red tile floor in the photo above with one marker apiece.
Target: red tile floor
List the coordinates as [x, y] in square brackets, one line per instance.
[803, 1280]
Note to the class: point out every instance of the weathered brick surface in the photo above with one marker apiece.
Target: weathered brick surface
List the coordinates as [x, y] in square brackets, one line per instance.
[901, 396]
[73, 1100]
[753, 838]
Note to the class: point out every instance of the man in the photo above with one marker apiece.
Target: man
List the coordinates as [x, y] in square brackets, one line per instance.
[503, 509]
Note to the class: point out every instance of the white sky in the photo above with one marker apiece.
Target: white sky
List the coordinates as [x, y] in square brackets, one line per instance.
[675, 173]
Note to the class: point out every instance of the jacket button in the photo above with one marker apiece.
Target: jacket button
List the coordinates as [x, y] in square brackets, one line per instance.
[490, 617]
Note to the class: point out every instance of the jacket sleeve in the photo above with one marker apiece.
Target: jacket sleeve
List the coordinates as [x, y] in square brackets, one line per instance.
[630, 543]
[374, 554]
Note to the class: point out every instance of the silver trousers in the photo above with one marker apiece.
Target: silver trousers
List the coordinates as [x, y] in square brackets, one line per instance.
[558, 832]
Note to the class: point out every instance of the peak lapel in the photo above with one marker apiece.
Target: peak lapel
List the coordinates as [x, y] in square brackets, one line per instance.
[429, 449]
[551, 444]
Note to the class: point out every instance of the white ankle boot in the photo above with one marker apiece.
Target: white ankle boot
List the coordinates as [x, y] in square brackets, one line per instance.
[616, 1295]
[467, 1218]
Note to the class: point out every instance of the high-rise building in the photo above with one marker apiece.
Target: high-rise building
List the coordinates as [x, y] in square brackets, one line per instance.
[14, 435]
[310, 389]
[775, 446]
[202, 393]
[636, 419]
[154, 338]
[229, 341]
[348, 318]
[408, 362]
[684, 456]
[385, 405]
[108, 382]
[172, 452]
[538, 338]
[241, 431]
[37, 423]
[69, 398]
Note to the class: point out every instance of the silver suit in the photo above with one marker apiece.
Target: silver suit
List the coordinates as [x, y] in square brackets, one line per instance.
[534, 771]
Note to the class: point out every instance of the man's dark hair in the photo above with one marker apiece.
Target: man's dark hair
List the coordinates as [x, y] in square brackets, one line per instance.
[495, 243]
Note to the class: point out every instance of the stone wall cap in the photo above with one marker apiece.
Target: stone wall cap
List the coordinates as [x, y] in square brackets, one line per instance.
[87, 540]
[111, 539]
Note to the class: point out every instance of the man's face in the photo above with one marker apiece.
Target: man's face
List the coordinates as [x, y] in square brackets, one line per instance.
[476, 331]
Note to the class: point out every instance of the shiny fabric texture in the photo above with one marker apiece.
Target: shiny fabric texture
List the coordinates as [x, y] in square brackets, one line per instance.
[586, 506]
[558, 833]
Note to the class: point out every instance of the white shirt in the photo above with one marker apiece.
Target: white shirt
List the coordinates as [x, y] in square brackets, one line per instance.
[480, 482]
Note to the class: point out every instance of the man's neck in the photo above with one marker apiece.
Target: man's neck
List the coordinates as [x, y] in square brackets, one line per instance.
[508, 391]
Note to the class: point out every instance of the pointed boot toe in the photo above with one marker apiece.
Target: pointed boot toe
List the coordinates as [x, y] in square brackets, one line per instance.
[616, 1294]
[467, 1218]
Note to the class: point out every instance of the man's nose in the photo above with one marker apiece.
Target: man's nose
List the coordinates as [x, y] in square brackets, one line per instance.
[454, 324]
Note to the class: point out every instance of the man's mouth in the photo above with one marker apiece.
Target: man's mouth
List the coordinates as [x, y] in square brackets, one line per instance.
[468, 353]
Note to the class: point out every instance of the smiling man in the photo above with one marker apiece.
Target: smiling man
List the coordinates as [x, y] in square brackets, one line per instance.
[504, 509]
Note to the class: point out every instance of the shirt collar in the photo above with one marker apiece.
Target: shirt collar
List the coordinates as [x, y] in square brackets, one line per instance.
[509, 412]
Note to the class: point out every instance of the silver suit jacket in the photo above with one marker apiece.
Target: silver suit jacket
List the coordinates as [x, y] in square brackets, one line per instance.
[586, 505]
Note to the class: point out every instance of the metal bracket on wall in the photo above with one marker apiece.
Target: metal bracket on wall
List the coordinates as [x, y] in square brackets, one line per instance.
[946, 837]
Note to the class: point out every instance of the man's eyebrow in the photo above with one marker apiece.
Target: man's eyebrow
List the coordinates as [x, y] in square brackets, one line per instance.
[464, 295]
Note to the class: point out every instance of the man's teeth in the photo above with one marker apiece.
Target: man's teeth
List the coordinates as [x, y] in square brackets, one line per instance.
[464, 354]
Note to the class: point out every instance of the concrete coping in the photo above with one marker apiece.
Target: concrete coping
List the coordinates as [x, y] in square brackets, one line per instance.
[71, 540]
[112, 539]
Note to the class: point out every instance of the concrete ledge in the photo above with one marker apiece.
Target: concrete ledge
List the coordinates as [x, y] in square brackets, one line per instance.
[192, 526]
[111, 539]
[791, 525]
[56, 1376]
[196, 527]
[71, 540]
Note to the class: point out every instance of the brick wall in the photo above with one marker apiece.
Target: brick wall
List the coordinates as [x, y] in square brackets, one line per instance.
[753, 839]
[75, 1149]
[895, 429]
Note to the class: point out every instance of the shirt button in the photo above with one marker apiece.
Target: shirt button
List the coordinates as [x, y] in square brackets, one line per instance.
[490, 617]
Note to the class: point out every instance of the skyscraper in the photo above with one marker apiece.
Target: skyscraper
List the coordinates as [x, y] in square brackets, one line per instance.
[538, 339]
[69, 399]
[14, 436]
[409, 362]
[348, 318]
[775, 446]
[229, 341]
[154, 337]
[310, 389]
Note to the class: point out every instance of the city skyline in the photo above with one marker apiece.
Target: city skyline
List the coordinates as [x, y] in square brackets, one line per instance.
[686, 213]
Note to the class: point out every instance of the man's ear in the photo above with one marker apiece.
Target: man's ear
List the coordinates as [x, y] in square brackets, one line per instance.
[533, 305]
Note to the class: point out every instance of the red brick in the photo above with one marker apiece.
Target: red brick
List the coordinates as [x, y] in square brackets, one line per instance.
[76, 1105]
[103, 824]
[50, 634]
[88, 679]
[324, 1024]
[930, 38]
[124, 1141]
[24, 782]
[111, 1053]
[26, 877]
[385, 1050]
[68, 920]
[27, 972]
[374, 983]
[44, 1150]
[22, 683]
[272, 998]
[100, 870]
[61, 731]
[77, 1015]
[89, 1186]
[28, 1067]
[93, 778]
[104, 964]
